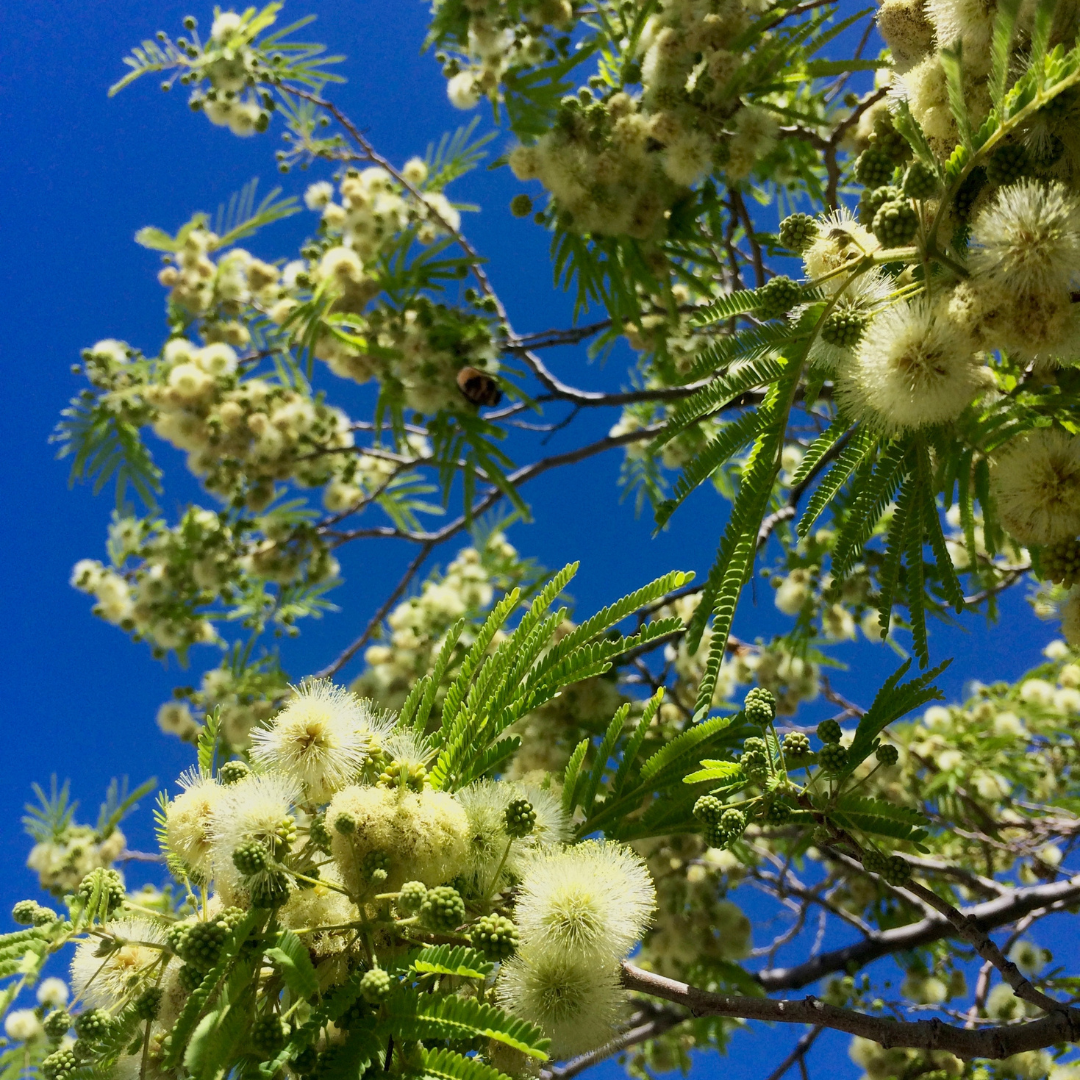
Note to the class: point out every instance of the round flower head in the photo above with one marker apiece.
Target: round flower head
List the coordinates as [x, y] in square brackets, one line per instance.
[552, 826]
[858, 303]
[1028, 238]
[52, 993]
[256, 808]
[188, 822]
[101, 982]
[22, 1025]
[321, 739]
[1036, 481]
[914, 366]
[840, 239]
[577, 1004]
[592, 901]
[420, 835]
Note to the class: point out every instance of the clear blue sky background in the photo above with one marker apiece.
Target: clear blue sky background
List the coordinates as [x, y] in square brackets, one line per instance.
[78, 175]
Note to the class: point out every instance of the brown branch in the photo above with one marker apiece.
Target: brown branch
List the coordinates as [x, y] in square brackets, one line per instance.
[985, 916]
[797, 1054]
[1062, 1025]
[377, 618]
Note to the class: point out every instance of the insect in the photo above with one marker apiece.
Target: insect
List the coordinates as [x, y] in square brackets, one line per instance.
[478, 387]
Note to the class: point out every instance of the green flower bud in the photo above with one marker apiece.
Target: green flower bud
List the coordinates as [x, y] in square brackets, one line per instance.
[1060, 562]
[251, 858]
[232, 771]
[887, 754]
[896, 223]
[268, 1035]
[442, 908]
[270, 890]
[57, 1024]
[148, 1003]
[708, 809]
[796, 745]
[843, 329]
[897, 871]
[108, 884]
[920, 181]
[778, 813]
[59, 1065]
[1007, 164]
[495, 936]
[874, 167]
[521, 205]
[832, 757]
[412, 895]
[778, 297]
[520, 818]
[92, 1025]
[760, 706]
[871, 200]
[375, 986]
[829, 731]
[797, 232]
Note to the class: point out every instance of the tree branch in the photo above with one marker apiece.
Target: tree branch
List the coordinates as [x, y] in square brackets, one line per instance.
[985, 916]
[1063, 1025]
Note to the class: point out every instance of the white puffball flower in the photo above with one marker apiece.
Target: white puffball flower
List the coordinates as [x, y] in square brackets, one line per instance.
[463, 90]
[592, 901]
[318, 195]
[217, 360]
[321, 739]
[110, 350]
[174, 718]
[415, 171]
[913, 367]
[102, 982]
[188, 383]
[575, 1003]
[1036, 481]
[225, 25]
[341, 264]
[53, 993]
[23, 1025]
[178, 350]
[1028, 238]
[188, 830]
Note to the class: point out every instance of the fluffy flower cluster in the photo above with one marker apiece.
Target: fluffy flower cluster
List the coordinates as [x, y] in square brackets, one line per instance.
[579, 911]
[62, 860]
[164, 581]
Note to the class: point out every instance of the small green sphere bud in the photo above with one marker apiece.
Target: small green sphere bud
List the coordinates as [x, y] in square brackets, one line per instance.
[887, 754]
[715, 837]
[268, 1036]
[375, 986]
[796, 745]
[920, 181]
[148, 1003]
[412, 895]
[755, 745]
[305, 1060]
[345, 824]
[631, 73]
[843, 329]
[798, 232]
[755, 765]
[874, 862]
[708, 809]
[832, 757]
[251, 858]
[1007, 164]
[760, 706]
[232, 771]
[874, 167]
[897, 871]
[442, 908]
[190, 978]
[190, 22]
[271, 890]
[890, 142]
[24, 911]
[871, 200]
[520, 818]
[778, 297]
[829, 731]
[92, 1025]
[59, 1065]
[732, 823]
[320, 834]
[495, 936]
[1060, 562]
[896, 223]
[375, 866]
[398, 774]
[109, 886]
[57, 1024]
[778, 813]
[521, 205]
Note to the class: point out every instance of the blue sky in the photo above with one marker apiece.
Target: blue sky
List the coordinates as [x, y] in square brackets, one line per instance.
[79, 174]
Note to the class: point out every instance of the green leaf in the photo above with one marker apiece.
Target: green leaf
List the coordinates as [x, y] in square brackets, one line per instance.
[207, 745]
[851, 457]
[292, 959]
[952, 64]
[714, 770]
[571, 778]
[428, 1016]
[445, 1064]
[603, 755]
[682, 746]
[894, 700]
[826, 68]
[1000, 45]
[452, 960]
